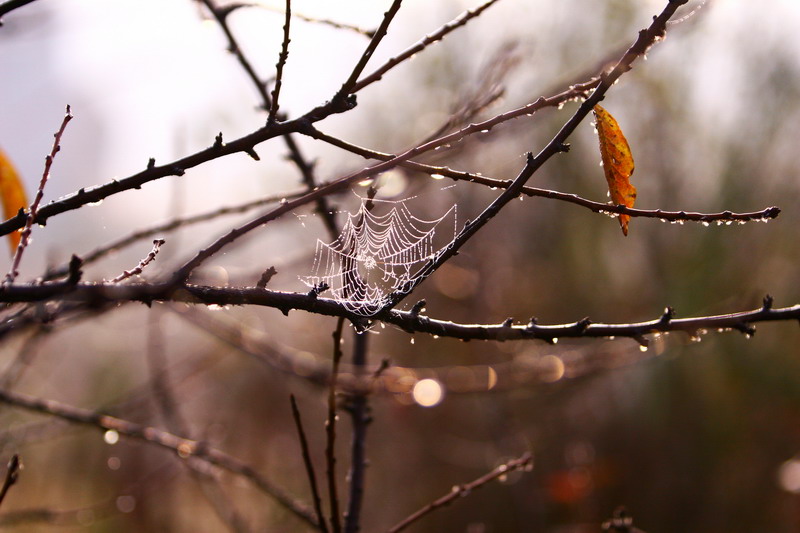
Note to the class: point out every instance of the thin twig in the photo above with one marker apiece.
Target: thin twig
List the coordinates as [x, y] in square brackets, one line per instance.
[138, 269]
[309, 465]
[314, 20]
[12, 474]
[185, 448]
[330, 430]
[597, 207]
[359, 413]
[380, 33]
[34, 208]
[168, 227]
[282, 57]
[460, 491]
[438, 35]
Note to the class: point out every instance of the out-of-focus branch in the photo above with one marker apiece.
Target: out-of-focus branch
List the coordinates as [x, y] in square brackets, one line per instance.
[306, 452]
[10, 5]
[12, 474]
[330, 431]
[185, 448]
[358, 407]
[34, 208]
[437, 35]
[169, 226]
[461, 491]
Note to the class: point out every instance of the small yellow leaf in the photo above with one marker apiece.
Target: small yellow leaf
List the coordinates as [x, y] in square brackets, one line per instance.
[12, 195]
[617, 162]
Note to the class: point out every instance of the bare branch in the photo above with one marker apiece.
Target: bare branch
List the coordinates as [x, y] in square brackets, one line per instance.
[330, 431]
[359, 412]
[646, 39]
[12, 474]
[34, 208]
[10, 5]
[380, 33]
[438, 35]
[185, 448]
[461, 491]
[312, 477]
[282, 57]
[598, 207]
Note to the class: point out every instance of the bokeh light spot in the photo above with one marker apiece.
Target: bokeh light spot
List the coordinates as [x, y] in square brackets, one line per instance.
[428, 392]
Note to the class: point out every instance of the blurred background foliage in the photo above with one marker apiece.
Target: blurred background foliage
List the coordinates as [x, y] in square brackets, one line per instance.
[689, 436]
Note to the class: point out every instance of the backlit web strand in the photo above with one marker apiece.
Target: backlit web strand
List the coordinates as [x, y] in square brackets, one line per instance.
[375, 255]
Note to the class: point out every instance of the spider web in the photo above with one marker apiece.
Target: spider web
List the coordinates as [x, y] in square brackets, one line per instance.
[376, 254]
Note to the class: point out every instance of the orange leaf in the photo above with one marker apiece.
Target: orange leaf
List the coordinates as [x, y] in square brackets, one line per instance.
[617, 162]
[12, 195]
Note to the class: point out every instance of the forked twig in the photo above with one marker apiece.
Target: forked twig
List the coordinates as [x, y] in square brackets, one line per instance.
[348, 86]
[460, 491]
[34, 208]
[438, 35]
[330, 430]
[312, 477]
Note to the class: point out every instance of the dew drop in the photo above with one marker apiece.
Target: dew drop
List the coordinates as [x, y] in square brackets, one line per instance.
[642, 348]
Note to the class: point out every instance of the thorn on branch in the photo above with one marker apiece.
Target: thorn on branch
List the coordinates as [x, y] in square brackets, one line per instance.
[151, 164]
[748, 329]
[417, 308]
[75, 272]
[266, 277]
[218, 141]
[669, 314]
[252, 153]
[767, 303]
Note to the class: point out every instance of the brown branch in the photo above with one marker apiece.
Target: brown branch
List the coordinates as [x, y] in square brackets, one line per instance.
[93, 294]
[34, 208]
[597, 207]
[348, 86]
[185, 448]
[12, 474]
[309, 465]
[282, 57]
[170, 226]
[10, 5]
[460, 491]
[330, 430]
[646, 39]
[138, 269]
[438, 35]
[359, 413]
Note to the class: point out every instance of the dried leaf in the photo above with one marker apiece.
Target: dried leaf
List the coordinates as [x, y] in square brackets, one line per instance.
[617, 162]
[12, 195]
